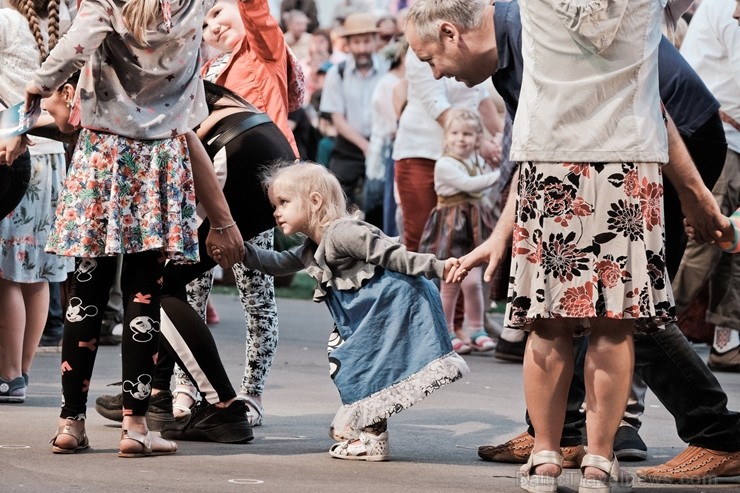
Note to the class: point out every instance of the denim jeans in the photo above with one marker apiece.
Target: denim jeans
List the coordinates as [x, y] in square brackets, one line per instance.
[680, 379]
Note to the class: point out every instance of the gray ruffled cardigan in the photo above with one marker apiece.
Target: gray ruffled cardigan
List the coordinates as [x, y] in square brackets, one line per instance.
[349, 253]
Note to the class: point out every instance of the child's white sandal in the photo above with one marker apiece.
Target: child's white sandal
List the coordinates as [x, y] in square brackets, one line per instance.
[367, 447]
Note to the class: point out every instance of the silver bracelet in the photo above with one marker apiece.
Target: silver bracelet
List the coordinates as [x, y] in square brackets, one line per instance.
[221, 229]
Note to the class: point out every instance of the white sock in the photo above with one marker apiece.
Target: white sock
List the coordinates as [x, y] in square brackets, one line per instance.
[725, 339]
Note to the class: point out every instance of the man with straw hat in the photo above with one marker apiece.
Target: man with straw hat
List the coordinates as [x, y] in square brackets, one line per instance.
[348, 89]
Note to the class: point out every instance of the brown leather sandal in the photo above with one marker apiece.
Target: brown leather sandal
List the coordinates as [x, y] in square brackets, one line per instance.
[66, 429]
[137, 445]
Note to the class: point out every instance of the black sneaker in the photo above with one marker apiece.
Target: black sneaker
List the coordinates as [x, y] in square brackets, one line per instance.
[628, 446]
[510, 351]
[159, 414]
[209, 423]
[107, 335]
[110, 407]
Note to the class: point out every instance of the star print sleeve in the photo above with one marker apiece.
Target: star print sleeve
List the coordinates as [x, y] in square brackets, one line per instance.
[90, 27]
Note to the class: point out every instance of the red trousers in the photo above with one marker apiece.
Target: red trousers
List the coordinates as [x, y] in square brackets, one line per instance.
[415, 185]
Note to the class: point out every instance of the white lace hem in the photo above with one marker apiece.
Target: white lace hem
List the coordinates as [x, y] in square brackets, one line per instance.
[402, 395]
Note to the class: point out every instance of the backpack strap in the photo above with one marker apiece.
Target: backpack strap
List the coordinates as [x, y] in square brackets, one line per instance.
[234, 131]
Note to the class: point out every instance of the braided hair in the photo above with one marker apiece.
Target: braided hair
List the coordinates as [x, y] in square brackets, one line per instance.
[33, 11]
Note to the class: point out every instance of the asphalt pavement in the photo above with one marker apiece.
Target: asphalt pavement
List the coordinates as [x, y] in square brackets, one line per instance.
[433, 445]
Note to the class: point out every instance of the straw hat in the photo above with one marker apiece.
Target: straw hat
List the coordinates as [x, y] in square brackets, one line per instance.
[359, 23]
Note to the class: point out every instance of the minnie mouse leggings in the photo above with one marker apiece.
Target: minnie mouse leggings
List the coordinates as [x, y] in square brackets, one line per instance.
[141, 279]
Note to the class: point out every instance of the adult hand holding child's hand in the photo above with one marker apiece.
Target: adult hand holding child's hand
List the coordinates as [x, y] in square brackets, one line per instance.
[225, 246]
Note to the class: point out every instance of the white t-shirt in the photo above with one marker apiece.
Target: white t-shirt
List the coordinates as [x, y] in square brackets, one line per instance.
[712, 48]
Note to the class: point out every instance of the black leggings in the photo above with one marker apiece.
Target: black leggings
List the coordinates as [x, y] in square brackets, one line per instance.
[140, 283]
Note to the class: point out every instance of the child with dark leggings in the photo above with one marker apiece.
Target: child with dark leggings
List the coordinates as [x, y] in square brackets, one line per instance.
[131, 192]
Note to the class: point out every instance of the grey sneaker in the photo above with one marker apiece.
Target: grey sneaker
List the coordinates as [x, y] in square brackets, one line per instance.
[628, 446]
[13, 391]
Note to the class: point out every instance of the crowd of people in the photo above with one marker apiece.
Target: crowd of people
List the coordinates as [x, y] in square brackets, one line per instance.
[515, 146]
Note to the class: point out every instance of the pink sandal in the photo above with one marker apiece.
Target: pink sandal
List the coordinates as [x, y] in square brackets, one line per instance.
[481, 342]
[460, 347]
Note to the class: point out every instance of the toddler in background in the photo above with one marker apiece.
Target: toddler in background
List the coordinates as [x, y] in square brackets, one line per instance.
[459, 223]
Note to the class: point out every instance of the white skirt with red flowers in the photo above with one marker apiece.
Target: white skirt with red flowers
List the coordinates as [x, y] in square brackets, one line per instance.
[588, 242]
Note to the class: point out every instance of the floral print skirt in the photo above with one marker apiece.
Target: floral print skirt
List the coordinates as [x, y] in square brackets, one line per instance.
[24, 232]
[588, 242]
[124, 195]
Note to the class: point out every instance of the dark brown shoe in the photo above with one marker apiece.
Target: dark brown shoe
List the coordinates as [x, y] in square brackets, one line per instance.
[694, 465]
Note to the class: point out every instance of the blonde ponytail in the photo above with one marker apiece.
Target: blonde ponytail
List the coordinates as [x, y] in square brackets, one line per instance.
[139, 14]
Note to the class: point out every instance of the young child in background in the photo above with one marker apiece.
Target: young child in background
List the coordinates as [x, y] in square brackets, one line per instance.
[458, 223]
[131, 192]
[389, 348]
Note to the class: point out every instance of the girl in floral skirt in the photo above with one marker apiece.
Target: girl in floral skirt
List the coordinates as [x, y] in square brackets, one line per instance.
[130, 190]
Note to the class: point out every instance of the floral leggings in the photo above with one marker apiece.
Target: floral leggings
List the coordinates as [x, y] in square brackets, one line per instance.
[257, 294]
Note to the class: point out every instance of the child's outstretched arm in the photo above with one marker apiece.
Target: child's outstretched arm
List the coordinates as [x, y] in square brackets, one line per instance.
[263, 33]
[272, 262]
[358, 240]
